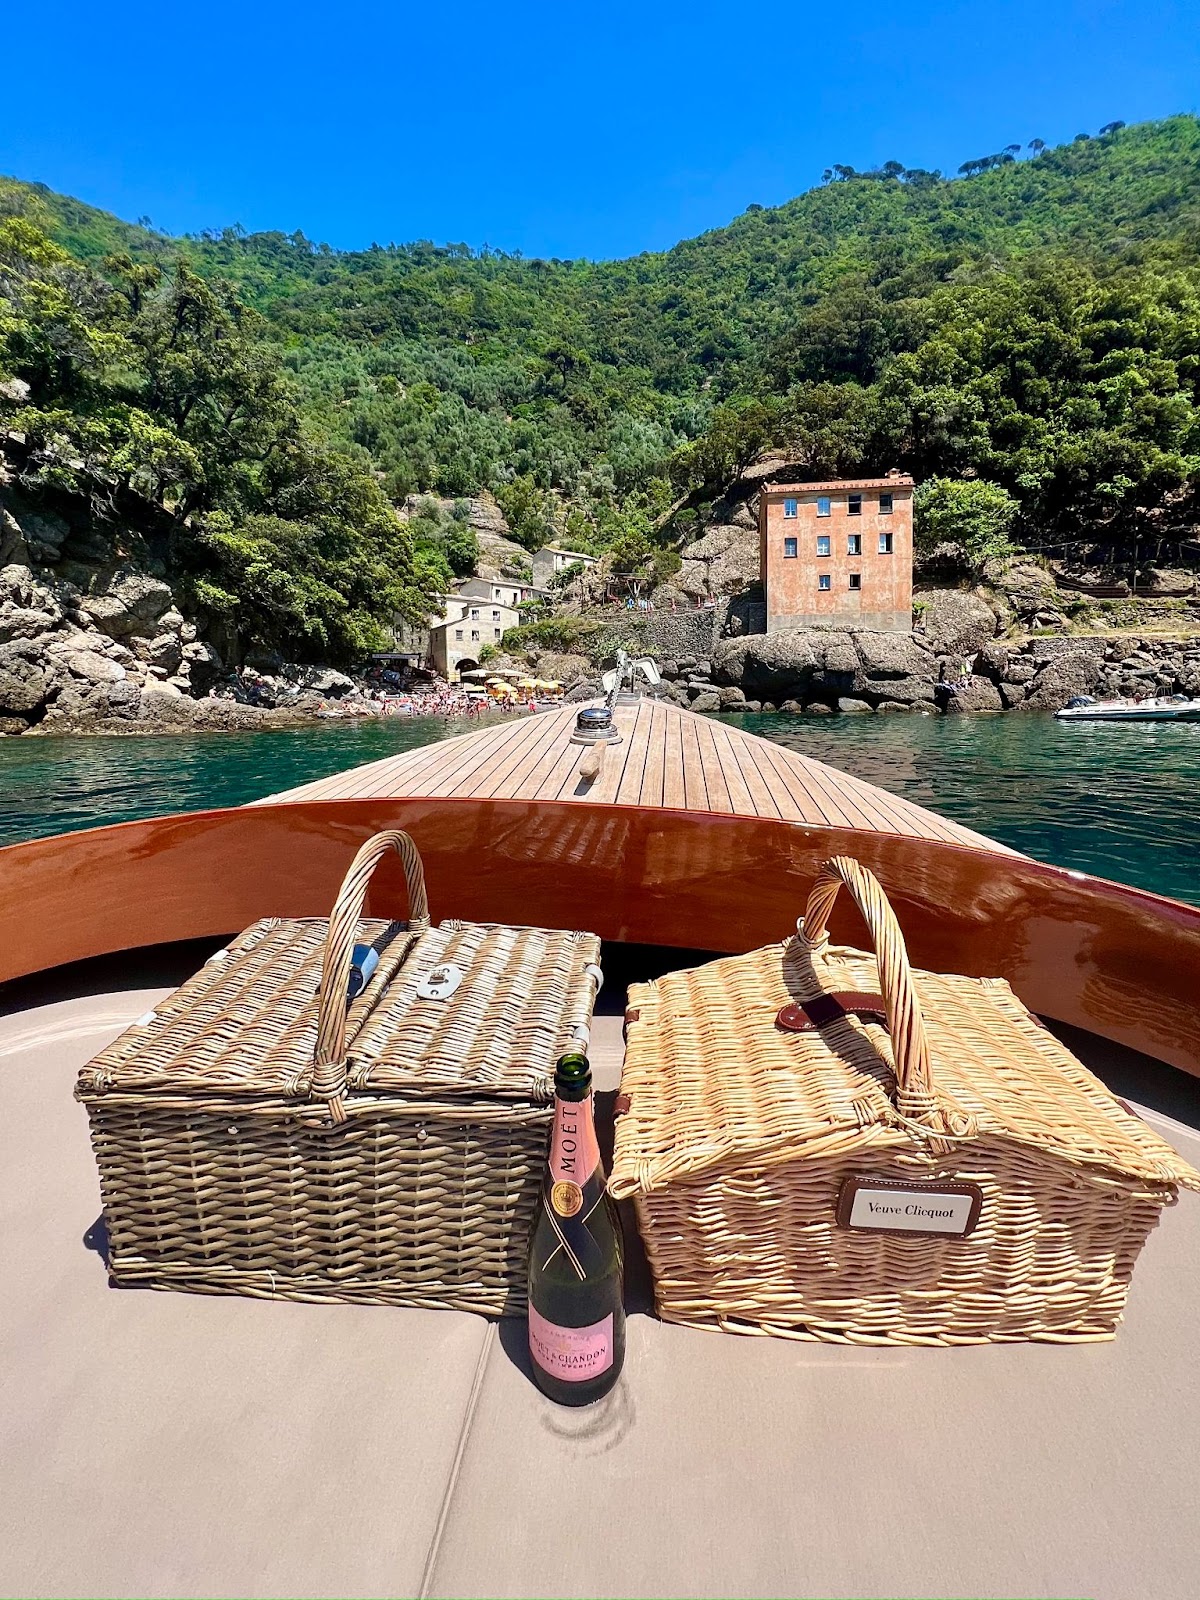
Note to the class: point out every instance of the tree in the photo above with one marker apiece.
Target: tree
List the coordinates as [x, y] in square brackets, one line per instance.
[1111, 127]
[976, 515]
[462, 549]
[1037, 146]
[1013, 150]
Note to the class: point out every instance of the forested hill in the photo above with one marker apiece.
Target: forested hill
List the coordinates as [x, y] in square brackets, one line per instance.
[1034, 326]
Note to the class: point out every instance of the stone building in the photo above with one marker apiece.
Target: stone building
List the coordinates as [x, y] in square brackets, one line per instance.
[469, 624]
[839, 554]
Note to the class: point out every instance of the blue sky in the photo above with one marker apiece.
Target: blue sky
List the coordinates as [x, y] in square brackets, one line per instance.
[562, 130]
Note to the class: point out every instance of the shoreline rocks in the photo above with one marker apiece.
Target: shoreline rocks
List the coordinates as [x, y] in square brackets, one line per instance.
[853, 672]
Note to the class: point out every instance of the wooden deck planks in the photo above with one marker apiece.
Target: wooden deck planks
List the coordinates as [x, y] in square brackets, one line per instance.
[667, 757]
[710, 761]
[629, 792]
[674, 787]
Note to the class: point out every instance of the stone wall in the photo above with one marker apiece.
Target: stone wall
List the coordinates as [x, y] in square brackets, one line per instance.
[829, 671]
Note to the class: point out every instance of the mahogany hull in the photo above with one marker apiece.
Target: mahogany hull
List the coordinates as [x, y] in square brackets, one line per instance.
[1117, 961]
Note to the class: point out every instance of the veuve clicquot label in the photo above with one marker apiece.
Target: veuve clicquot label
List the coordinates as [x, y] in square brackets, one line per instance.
[576, 1267]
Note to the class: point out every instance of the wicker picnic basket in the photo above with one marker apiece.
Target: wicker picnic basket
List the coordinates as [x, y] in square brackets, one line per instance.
[927, 1166]
[255, 1135]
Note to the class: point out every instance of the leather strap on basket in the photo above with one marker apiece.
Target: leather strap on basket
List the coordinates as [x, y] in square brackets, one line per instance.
[914, 1081]
[819, 1012]
[329, 1058]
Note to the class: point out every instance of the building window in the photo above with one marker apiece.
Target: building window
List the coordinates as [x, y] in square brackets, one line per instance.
[885, 504]
[497, 632]
[854, 506]
[475, 633]
[458, 633]
[495, 616]
[475, 614]
[789, 508]
[854, 544]
[823, 505]
[885, 544]
[856, 580]
[789, 549]
[822, 544]
[824, 581]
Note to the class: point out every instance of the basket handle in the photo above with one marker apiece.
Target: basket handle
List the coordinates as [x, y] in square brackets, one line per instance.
[329, 1058]
[914, 1080]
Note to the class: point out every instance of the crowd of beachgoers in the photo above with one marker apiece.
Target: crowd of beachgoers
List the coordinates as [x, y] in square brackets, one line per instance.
[445, 702]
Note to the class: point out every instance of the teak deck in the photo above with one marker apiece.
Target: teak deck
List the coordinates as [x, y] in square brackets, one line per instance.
[668, 758]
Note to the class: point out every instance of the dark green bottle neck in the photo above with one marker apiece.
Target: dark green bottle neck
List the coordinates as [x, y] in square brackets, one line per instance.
[573, 1077]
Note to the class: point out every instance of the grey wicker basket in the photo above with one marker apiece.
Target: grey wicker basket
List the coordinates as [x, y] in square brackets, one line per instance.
[255, 1135]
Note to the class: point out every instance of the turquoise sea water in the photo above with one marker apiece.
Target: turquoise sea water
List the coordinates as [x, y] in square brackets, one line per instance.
[1119, 800]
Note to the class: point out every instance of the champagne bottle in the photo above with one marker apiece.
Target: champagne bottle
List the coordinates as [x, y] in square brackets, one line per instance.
[576, 1255]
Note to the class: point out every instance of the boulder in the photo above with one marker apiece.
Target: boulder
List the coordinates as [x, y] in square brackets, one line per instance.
[1020, 669]
[17, 622]
[906, 691]
[993, 660]
[325, 681]
[732, 699]
[162, 702]
[893, 655]
[1060, 679]
[849, 707]
[975, 694]
[889, 707]
[955, 621]
[165, 651]
[792, 708]
[24, 685]
[1011, 694]
[691, 580]
[736, 570]
[91, 666]
[769, 662]
[44, 533]
[124, 699]
[16, 584]
[130, 603]
[815, 708]
[171, 620]
[204, 663]
[715, 541]
[838, 654]
[709, 700]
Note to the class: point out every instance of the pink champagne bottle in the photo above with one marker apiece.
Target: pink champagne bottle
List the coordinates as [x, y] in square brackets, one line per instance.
[576, 1255]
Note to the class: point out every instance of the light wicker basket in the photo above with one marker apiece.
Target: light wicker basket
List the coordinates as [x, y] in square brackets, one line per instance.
[778, 1159]
[256, 1136]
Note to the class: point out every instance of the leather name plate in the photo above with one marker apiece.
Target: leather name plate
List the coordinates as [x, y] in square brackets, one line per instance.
[938, 1208]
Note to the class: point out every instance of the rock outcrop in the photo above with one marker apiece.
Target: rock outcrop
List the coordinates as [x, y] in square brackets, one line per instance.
[854, 672]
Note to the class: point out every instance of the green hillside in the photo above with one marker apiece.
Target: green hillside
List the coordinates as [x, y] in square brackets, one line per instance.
[1035, 326]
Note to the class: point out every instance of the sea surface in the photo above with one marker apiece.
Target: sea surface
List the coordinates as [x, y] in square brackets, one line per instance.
[1120, 800]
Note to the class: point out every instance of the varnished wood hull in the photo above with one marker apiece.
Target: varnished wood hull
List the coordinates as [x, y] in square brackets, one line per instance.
[1118, 962]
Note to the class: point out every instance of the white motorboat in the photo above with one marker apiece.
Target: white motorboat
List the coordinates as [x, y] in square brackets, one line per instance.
[1155, 708]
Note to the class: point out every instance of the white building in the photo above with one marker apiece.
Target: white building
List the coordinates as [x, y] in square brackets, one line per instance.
[549, 561]
[499, 591]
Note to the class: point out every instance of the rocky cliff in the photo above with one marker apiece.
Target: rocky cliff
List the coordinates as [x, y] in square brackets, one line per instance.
[90, 639]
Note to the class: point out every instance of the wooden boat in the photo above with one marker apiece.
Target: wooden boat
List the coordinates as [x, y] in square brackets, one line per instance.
[181, 1445]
